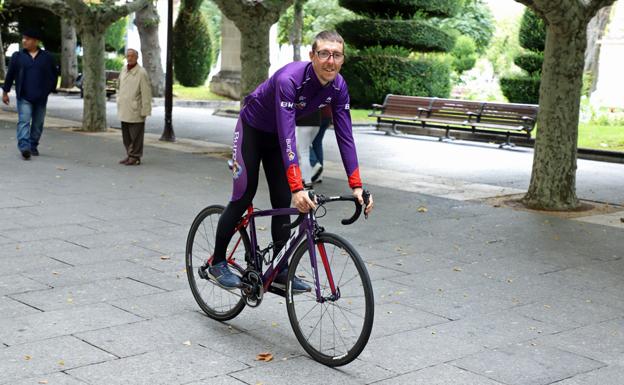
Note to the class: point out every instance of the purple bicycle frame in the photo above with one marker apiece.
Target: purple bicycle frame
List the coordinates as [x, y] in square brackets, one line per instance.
[305, 229]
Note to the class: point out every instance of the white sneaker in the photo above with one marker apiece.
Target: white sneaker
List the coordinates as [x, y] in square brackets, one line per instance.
[317, 170]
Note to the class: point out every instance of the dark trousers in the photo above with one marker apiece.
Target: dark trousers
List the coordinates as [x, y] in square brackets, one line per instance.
[254, 147]
[133, 134]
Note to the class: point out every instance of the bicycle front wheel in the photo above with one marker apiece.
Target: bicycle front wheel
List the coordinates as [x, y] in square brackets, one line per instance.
[218, 303]
[334, 329]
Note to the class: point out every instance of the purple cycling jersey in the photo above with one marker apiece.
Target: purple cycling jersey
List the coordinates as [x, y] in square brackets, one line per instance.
[295, 91]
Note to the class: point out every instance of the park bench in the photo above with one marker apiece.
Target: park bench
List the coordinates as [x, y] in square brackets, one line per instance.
[111, 83]
[498, 119]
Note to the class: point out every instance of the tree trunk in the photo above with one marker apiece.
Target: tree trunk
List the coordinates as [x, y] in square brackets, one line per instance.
[147, 21]
[297, 30]
[69, 59]
[2, 63]
[595, 31]
[94, 81]
[255, 61]
[553, 180]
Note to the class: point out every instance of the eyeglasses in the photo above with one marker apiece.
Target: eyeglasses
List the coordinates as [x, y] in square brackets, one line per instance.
[325, 55]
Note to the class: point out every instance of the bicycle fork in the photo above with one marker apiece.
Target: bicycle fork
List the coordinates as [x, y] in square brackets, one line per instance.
[335, 291]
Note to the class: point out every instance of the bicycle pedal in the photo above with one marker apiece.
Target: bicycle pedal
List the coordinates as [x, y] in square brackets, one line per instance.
[201, 271]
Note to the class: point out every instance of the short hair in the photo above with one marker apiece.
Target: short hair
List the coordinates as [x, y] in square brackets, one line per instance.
[327, 36]
[133, 50]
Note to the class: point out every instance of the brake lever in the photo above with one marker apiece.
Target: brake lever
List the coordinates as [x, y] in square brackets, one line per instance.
[366, 197]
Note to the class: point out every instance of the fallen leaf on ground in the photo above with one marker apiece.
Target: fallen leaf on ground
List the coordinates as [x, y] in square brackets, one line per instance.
[27, 357]
[266, 357]
[43, 381]
[187, 343]
[61, 363]
[61, 168]
[165, 257]
[457, 269]
[422, 209]
[261, 228]
[274, 324]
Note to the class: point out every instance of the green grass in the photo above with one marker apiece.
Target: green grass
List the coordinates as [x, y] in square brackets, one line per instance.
[195, 93]
[361, 116]
[592, 135]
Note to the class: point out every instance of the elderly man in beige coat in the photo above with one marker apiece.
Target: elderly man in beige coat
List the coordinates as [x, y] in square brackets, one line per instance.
[134, 105]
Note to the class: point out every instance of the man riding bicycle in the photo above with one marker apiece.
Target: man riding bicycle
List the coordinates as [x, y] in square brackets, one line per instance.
[266, 132]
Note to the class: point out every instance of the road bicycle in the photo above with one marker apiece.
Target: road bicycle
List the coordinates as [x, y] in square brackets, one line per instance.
[333, 321]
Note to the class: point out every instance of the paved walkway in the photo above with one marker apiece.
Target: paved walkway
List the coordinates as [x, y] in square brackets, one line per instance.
[466, 293]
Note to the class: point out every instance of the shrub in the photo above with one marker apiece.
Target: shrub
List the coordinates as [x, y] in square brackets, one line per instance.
[464, 54]
[532, 32]
[521, 89]
[416, 35]
[191, 39]
[402, 8]
[114, 64]
[531, 62]
[371, 78]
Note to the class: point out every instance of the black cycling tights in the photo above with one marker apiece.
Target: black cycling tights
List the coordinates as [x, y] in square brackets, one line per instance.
[255, 146]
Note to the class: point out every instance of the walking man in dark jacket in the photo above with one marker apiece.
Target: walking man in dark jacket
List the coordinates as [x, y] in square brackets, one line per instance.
[35, 75]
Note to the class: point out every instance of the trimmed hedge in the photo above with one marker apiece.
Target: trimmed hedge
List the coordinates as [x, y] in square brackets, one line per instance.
[532, 32]
[521, 89]
[531, 62]
[402, 8]
[191, 39]
[370, 78]
[412, 34]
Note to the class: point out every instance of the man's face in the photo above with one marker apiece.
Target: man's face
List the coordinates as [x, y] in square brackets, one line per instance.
[325, 64]
[132, 57]
[29, 43]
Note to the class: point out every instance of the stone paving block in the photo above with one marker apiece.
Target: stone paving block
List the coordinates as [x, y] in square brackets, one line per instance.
[610, 375]
[495, 329]
[441, 279]
[417, 349]
[10, 308]
[21, 249]
[527, 365]
[218, 380]
[16, 283]
[506, 269]
[386, 291]
[43, 233]
[130, 339]
[77, 275]
[48, 221]
[92, 241]
[602, 341]
[144, 223]
[394, 318]
[440, 375]
[571, 311]
[58, 378]
[9, 202]
[159, 304]
[293, 371]
[163, 245]
[100, 291]
[163, 262]
[21, 264]
[245, 347]
[163, 367]
[588, 277]
[62, 322]
[100, 255]
[43, 358]
[415, 263]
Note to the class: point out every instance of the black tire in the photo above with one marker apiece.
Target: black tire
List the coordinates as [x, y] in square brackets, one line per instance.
[299, 306]
[198, 250]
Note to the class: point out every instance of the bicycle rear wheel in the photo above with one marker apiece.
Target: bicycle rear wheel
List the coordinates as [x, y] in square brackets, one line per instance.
[334, 331]
[218, 303]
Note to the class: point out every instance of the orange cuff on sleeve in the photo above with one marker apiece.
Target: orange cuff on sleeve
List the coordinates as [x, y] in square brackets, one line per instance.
[354, 179]
[293, 174]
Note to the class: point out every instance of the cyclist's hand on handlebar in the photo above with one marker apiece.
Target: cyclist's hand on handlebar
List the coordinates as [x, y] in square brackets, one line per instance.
[301, 200]
[357, 192]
